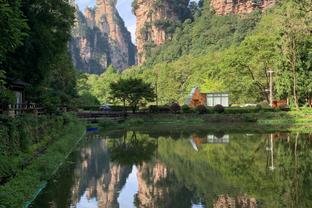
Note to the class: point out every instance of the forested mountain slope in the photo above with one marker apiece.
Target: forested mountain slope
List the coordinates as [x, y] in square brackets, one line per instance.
[233, 52]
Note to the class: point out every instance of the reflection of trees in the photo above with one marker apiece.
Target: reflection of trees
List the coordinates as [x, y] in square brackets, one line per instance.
[294, 162]
[132, 149]
[218, 169]
[236, 174]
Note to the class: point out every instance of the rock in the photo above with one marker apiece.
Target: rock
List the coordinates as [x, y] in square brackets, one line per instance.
[156, 21]
[224, 7]
[100, 39]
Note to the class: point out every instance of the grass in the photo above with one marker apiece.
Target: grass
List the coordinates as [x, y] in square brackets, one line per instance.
[270, 121]
[22, 189]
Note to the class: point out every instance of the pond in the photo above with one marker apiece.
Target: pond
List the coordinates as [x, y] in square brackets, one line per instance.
[182, 167]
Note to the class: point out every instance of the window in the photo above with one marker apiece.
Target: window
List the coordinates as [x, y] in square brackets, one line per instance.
[214, 99]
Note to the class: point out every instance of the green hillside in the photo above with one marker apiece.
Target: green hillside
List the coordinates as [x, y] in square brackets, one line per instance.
[232, 53]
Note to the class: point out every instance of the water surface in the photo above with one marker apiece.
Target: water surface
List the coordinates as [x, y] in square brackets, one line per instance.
[185, 168]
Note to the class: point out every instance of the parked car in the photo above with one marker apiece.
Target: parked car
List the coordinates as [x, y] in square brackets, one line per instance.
[105, 108]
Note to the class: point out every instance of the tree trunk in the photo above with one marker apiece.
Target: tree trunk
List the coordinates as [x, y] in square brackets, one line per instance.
[294, 71]
[295, 90]
[134, 109]
[124, 108]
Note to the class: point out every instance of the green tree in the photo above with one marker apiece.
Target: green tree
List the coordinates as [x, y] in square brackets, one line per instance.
[294, 35]
[49, 32]
[102, 87]
[13, 27]
[6, 96]
[132, 91]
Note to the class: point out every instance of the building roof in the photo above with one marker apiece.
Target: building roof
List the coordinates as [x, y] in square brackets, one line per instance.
[18, 82]
[189, 98]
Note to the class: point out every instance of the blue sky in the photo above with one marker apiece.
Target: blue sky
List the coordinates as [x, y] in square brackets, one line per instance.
[124, 8]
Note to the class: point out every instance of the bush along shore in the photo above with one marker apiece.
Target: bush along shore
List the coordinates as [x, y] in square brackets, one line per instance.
[230, 118]
[32, 149]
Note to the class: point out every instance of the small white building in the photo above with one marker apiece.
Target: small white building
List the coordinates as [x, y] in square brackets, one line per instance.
[208, 99]
[214, 99]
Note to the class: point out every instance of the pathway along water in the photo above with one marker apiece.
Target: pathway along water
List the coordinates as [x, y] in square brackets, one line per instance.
[182, 168]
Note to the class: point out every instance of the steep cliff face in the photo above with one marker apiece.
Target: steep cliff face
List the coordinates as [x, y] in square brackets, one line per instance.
[223, 7]
[100, 38]
[156, 22]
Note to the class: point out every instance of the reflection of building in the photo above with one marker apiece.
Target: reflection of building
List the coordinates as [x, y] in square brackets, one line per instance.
[197, 98]
[196, 141]
[213, 139]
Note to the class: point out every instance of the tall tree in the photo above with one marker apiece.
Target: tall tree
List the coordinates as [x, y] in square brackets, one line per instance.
[50, 27]
[295, 31]
[132, 91]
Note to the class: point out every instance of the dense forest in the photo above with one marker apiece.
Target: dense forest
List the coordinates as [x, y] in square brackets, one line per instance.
[231, 53]
[34, 39]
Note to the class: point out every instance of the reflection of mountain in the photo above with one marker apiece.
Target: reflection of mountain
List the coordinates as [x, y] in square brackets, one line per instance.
[174, 175]
[96, 177]
[148, 177]
[158, 187]
[225, 201]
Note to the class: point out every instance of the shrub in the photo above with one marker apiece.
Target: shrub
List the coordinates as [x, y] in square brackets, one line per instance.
[284, 107]
[175, 107]
[218, 109]
[186, 109]
[201, 109]
[134, 121]
[106, 123]
[263, 104]
[159, 109]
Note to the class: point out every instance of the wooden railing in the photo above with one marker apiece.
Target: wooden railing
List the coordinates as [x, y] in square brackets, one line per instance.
[19, 109]
[94, 115]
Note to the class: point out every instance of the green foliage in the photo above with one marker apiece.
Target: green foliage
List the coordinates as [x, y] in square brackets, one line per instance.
[201, 109]
[218, 109]
[159, 109]
[175, 107]
[186, 109]
[13, 27]
[97, 86]
[26, 182]
[232, 54]
[6, 96]
[23, 137]
[207, 33]
[36, 34]
[133, 92]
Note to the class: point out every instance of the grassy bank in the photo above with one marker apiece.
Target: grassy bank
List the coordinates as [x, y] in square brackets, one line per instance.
[261, 121]
[22, 188]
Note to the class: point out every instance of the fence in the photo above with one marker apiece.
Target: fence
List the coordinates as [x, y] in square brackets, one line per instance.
[19, 109]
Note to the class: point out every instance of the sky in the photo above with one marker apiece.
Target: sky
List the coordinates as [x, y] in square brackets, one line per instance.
[125, 11]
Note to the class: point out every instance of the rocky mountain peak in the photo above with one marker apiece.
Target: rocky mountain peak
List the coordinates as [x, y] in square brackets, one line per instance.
[156, 22]
[100, 39]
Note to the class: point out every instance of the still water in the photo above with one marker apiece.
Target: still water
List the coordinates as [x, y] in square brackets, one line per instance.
[184, 168]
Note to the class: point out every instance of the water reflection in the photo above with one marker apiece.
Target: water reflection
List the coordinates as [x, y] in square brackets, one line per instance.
[135, 169]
